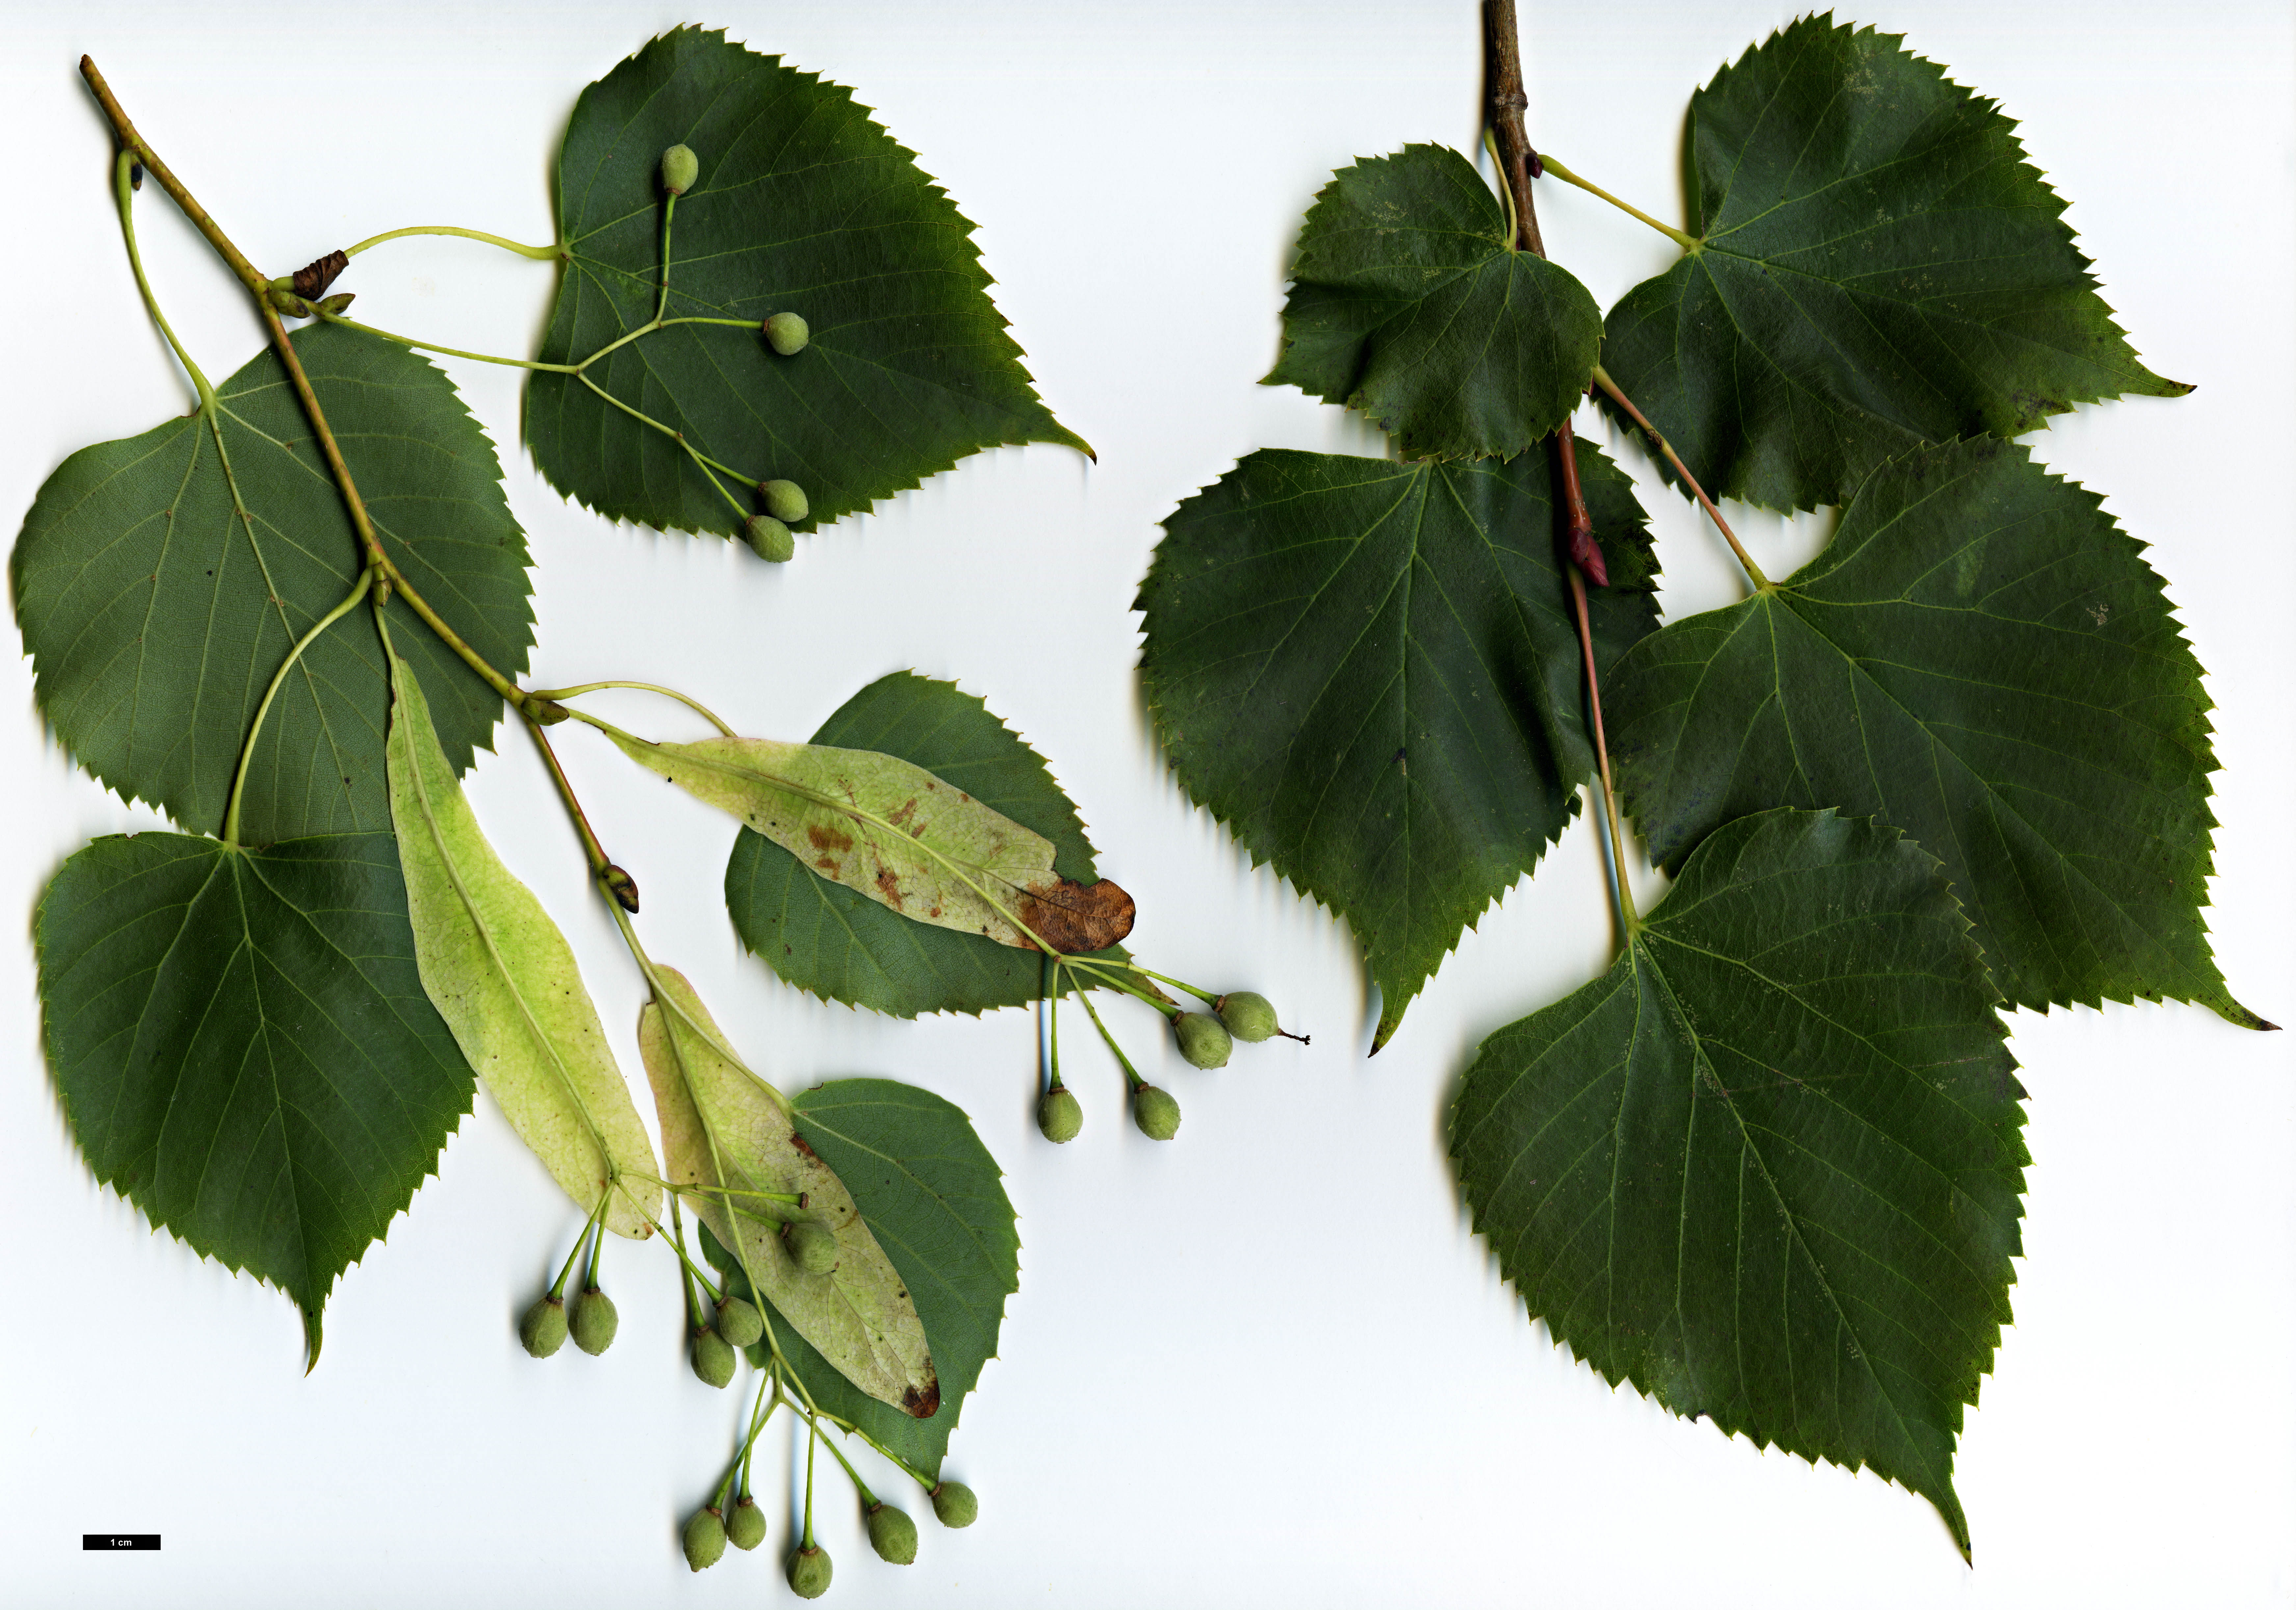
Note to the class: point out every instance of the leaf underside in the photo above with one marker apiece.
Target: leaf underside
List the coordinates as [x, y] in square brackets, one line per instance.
[1370, 672]
[1983, 658]
[1879, 268]
[804, 205]
[1768, 1169]
[157, 608]
[725, 1138]
[504, 980]
[840, 944]
[1409, 303]
[931, 1192]
[244, 1047]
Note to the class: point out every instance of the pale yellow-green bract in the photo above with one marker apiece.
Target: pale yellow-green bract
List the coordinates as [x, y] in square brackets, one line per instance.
[812, 800]
[502, 977]
[721, 1127]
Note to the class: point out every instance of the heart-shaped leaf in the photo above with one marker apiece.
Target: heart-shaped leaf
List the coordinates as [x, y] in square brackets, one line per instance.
[1768, 1168]
[804, 205]
[1410, 302]
[243, 1047]
[1371, 673]
[1879, 267]
[841, 944]
[732, 1149]
[1981, 657]
[503, 978]
[931, 1193]
[162, 581]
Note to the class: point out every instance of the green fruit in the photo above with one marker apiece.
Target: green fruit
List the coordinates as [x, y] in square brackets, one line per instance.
[705, 1540]
[813, 1245]
[1060, 1115]
[594, 1321]
[953, 1502]
[809, 1572]
[786, 333]
[745, 1528]
[892, 1534]
[1248, 1016]
[713, 1357]
[1156, 1113]
[784, 500]
[739, 1323]
[544, 1329]
[1202, 1041]
[679, 169]
[769, 539]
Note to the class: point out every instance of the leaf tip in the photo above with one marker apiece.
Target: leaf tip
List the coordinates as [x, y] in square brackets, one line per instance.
[312, 1339]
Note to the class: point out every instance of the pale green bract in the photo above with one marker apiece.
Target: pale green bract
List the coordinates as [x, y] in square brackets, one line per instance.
[727, 1138]
[503, 978]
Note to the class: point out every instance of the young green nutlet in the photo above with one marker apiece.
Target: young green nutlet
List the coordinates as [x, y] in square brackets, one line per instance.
[787, 333]
[594, 1321]
[769, 539]
[705, 1539]
[1060, 1115]
[892, 1534]
[809, 1572]
[1204, 1042]
[1156, 1113]
[745, 1528]
[739, 1323]
[813, 1245]
[713, 1357]
[679, 169]
[784, 500]
[953, 1502]
[543, 1330]
[1248, 1016]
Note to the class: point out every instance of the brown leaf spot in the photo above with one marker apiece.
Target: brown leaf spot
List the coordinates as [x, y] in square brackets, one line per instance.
[900, 818]
[923, 1401]
[889, 887]
[1077, 917]
[798, 1141]
[827, 865]
[828, 838]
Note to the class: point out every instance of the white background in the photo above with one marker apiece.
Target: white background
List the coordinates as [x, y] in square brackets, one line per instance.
[1266, 1364]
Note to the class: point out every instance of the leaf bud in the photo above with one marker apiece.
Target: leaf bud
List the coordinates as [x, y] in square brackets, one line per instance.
[809, 1572]
[1060, 1115]
[679, 169]
[953, 1502]
[740, 1323]
[543, 1330]
[593, 1321]
[1202, 1040]
[713, 1357]
[813, 1245]
[769, 539]
[745, 1528]
[340, 302]
[784, 500]
[1248, 1016]
[892, 1534]
[622, 886]
[289, 303]
[547, 712]
[705, 1539]
[787, 333]
[1156, 1113]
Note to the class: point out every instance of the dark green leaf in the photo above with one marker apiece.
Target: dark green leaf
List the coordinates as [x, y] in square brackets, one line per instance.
[1983, 658]
[1409, 302]
[158, 608]
[1768, 1168]
[1370, 672]
[840, 944]
[244, 1047]
[930, 1192]
[1880, 267]
[804, 206]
